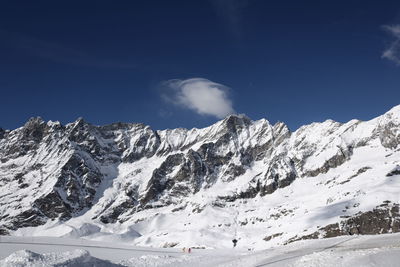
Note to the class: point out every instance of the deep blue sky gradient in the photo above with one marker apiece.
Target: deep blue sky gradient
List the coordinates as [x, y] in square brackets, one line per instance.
[290, 61]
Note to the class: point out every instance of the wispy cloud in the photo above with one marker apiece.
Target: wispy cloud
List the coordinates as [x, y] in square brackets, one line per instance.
[199, 95]
[392, 52]
[58, 52]
[231, 12]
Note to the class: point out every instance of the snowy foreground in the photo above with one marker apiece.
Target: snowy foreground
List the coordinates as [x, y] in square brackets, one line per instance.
[379, 250]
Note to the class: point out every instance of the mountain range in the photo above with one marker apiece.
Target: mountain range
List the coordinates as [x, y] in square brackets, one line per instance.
[259, 183]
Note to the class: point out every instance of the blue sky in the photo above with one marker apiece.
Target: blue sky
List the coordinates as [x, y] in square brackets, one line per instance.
[189, 63]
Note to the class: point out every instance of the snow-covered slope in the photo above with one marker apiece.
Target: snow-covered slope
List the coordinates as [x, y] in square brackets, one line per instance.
[238, 178]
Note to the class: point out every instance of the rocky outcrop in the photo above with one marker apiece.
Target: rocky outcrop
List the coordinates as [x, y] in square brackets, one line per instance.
[389, 129]
[390, 136]
[2, 133]
[161, 179]
[383, 219]
[395, 171]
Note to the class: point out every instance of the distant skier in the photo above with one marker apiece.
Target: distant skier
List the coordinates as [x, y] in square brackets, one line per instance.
[190, 250]
[234, 241]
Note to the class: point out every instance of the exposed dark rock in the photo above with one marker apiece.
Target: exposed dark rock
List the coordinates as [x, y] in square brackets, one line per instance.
[52, 206]
[178, 208]
[145, 146]
[194, 170]
[281, 173]
[119, 126]
[269, 237]
[19, 177]
[383, 219]
[170, 244]
[209, 154]
[341, 157]
[112, 217]
[314, 235]
[199, 209]
[159, 180]
[80, 180]
[389, 135]
[24, 185]
[29, 218]
[35, 129]
[236, 123]
[233, 171]
[360, 171]
[29, 137]
[395, 171]
[3, 231]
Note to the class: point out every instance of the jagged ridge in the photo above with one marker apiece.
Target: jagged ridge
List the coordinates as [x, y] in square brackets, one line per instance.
[49, 171]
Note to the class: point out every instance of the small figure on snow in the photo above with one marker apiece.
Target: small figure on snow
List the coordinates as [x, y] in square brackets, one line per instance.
[234, 241]
[189, 250]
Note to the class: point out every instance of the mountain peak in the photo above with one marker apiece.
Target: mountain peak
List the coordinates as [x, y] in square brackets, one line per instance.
[240, 116]
[235, 120]
[34, 121]
[79, 122]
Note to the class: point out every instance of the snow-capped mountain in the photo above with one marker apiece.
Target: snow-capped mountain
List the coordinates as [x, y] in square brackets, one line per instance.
[244, 179]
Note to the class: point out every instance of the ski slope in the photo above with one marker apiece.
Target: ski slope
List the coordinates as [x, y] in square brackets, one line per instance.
[378, 250]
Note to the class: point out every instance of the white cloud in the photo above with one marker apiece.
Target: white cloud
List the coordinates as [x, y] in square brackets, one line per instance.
[393, 51]
[200, 95]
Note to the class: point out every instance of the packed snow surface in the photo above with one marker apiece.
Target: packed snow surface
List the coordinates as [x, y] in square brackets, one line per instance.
[378, 250]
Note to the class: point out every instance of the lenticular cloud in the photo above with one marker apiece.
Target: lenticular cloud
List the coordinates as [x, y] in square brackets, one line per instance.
[200, 95]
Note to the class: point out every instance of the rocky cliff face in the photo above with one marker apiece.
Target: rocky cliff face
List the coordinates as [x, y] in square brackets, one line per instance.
[132, 176]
